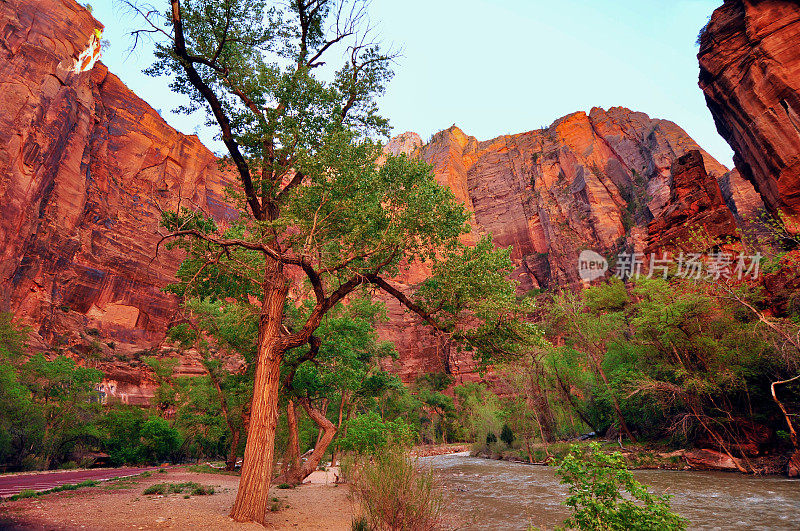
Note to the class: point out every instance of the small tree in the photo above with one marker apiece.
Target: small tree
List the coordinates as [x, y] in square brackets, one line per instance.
[507, 436]
[603, 494]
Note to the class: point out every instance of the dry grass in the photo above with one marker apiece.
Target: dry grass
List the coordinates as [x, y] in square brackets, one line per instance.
[395, 494]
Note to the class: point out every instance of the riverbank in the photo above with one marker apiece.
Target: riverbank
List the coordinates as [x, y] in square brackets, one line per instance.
[428, 450]
[122, 504]
[651, 457]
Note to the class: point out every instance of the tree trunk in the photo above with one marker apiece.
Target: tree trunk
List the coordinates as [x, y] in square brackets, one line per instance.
[296, 476]
[230, 464]
[335, 456]
[324, 411]
[293, 451]
[792, 433]
[252, 499]
[528, 448]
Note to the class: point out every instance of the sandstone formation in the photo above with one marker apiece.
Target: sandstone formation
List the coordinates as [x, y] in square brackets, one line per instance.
[589, 181]
[85, 168]
[793, 468]
[742, 199]
[696, 211]
[750, 74]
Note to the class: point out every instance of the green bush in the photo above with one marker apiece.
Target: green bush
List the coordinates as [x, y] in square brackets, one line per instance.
[369, 434]
[159, 440]
[603, 494]
[158, 488]
[191, 487]
[507, 436]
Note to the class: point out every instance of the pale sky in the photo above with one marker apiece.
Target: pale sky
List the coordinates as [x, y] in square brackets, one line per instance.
[497, 67]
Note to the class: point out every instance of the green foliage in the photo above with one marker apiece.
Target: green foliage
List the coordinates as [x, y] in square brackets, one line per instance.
[159, 440]
[368, 434]
[479, 412]
[121, 430]
[49, 406]
[163, 489]
[603, 494]
[680, 359]
[507, 436]
[437, 409]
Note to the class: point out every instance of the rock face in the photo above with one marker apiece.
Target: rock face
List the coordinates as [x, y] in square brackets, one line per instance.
[589, 181]
[85, 167]
[793, 468]
[695, 204]
[750, 74]
[742, 199]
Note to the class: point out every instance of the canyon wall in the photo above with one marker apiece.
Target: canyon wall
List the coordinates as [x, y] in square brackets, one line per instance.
[588, 181]
[750, 74]
[85, 169]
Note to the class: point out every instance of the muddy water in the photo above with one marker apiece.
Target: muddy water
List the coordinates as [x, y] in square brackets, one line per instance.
[500, 495]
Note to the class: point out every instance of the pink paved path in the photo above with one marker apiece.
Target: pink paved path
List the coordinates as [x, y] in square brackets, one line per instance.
[16, 483]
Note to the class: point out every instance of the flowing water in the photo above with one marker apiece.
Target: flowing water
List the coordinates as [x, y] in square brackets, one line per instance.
[501, 495]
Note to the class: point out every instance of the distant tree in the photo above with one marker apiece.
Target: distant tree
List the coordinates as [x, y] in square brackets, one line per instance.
[507, 436]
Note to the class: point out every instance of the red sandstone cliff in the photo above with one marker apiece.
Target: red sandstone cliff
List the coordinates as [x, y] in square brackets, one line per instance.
[750, 74]
[85, 166]
[695, 204]
[586, 182]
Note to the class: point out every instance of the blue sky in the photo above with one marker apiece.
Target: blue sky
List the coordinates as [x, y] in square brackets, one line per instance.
[505, 66]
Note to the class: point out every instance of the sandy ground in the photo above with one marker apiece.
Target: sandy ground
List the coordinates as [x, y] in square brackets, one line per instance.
[121, 505]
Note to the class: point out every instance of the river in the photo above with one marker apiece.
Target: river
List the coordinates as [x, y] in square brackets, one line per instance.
[501, 495]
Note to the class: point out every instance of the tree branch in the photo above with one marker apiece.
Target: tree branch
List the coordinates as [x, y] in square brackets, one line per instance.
[187, 62]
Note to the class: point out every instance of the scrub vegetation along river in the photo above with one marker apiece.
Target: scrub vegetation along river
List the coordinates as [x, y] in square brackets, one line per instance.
[491, 494]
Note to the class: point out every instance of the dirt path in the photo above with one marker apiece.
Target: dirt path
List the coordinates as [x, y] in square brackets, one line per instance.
[122, 505]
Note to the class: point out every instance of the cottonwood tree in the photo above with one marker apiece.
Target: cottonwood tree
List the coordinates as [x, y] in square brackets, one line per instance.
[342, 359]
[317, 211]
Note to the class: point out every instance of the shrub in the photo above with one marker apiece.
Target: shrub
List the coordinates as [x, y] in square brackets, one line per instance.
[158, 488]
[191, 487]
[359, 524]
[201, 490]
[159, 440]
[507, 436]
[603, 494]
[369, 434]
[395, 495]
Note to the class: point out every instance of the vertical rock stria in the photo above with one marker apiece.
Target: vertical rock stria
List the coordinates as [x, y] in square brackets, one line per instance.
[750, 74]
[85, 169]
[588, 181]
